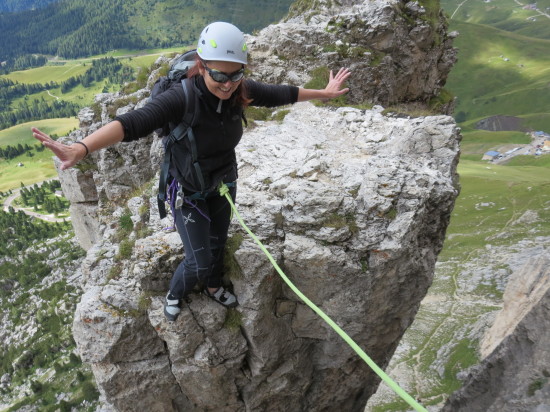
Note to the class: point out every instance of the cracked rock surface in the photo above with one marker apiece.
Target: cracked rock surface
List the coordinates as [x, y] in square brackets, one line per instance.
[352, 204]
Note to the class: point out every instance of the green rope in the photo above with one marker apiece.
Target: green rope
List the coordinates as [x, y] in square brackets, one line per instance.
[224, 191]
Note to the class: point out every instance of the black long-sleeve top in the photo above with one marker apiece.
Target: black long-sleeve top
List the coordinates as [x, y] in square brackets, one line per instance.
[217, 129]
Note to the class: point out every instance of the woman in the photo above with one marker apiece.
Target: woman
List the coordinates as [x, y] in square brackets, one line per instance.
[218, 79]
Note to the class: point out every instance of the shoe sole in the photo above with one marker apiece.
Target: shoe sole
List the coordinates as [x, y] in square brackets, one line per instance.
[170, 317]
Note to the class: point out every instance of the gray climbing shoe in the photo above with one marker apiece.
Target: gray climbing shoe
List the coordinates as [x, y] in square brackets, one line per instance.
[172, 308]
[223, 296]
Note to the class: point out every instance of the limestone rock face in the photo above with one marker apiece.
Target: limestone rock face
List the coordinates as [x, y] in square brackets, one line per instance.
[398, 50]
[107, 175]
[352, 204]
[515, 373]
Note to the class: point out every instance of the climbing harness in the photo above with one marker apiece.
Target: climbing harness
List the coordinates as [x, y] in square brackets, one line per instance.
[176, 198]
[224, 191]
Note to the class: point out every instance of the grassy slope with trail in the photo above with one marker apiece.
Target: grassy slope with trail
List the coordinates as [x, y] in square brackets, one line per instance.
[487, 84]
[59, 71]
[486, 240]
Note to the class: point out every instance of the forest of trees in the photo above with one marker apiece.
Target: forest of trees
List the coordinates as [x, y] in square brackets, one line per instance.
[19, 5]
[26, 250]
[9, 152]
[10, 90]
[75, 28]
[80, 28]
[23, 62]
[18, 231]
[37, 109]
[107, 68]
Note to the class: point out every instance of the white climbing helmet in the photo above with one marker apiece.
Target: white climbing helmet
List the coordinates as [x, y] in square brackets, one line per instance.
[222, 42]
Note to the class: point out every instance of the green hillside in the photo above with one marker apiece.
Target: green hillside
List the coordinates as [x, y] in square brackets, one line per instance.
[21, 133]
[501, 73]
[40, 166]
[61, 71]
[78, 28]
[20, 5]
[513, 16]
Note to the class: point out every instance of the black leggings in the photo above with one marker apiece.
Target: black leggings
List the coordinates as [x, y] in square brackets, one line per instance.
[203, 226]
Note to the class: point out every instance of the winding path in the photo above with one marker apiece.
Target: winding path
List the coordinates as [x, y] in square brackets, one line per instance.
[51, 95]
[457, 7]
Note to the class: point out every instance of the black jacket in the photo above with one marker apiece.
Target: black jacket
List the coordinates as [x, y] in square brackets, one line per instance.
[217, 134]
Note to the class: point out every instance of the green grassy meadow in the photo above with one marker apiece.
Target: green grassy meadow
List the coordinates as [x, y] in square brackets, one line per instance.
[37, 168]
[22, 132]
[506, 15]
[509, 191]
[60, 70]
[487, 84]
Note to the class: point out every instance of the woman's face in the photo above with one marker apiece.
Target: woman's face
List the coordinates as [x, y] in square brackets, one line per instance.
[224, 90]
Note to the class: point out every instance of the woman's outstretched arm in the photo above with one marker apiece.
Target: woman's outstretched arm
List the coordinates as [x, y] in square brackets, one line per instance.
[70, 155]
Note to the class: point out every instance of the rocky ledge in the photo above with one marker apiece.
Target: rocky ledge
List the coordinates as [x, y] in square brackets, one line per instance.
[352, 204]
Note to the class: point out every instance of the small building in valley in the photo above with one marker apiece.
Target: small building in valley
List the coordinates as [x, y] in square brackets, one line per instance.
[490, 155]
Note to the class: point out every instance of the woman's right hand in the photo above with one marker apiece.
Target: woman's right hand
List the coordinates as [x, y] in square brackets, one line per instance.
[69, 155]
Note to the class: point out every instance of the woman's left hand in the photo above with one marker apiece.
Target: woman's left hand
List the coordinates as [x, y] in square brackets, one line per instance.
[333, 88]
[335, 83]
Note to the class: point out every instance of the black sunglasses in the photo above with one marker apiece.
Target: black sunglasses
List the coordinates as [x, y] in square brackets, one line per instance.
[222, 77]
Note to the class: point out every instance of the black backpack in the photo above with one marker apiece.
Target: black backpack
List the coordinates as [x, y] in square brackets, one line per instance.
[173, 133]
[178, 71]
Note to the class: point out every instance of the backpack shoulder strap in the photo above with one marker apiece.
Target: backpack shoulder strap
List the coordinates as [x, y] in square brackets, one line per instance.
[179, 132]
[190, 101]
[184, 128]
[188, 119]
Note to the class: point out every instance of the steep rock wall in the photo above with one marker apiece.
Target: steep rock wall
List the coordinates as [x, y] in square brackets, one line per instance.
[398, 51]
[515, 373]
[353, 205]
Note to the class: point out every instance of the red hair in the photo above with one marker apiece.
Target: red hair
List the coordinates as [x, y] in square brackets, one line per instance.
[239, 97]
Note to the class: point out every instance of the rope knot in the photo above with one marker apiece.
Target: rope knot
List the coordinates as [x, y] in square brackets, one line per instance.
[223, 189]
